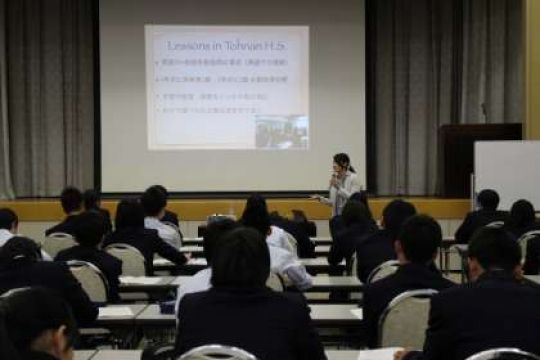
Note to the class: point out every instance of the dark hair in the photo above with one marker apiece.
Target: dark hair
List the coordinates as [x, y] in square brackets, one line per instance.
[521, 214]
[241, 260]
[8, 218]
[344, 161]
[420, 238]
[26, 314]
[153, 201]
[89, 227]
[488, 199]
[362, 196]
[395, 214]
[90, 199]
[163, 191]
[494, 248]
[256, 214]
[215, 230]
[129, 214]
[71, 199]
[354, 212]
[18, 250]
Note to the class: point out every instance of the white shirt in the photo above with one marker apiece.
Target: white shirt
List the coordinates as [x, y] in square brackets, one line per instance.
[338, 195]
[277, 237]
[198, 282]
[166, 232]
[285, 263]
[5, 235]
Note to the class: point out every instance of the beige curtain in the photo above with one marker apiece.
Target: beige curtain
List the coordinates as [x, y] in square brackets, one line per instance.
[50, 95]
[436, 62]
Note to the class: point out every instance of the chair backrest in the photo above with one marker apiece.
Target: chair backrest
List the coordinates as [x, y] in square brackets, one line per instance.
[275, 282]
[524, 239]
[495, 224]
[504, 354]
[133, 263]
[210, 352]
[292, 243]
[56, 242]
[383, 270]
[92, 280]
[404, 321]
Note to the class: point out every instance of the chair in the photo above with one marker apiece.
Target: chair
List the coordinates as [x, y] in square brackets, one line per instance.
[524, 239]
[495, 224]
[92, 280]
[133, 263]
[292, 243]
[56, 242]
[275, 282]
[210, 352]
[383, 270]
[503, 354]
[404, 321]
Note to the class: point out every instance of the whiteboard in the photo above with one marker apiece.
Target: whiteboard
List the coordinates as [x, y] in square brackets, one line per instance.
[512, 168]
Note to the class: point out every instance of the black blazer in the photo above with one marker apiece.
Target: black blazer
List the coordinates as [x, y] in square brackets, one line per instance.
[475, 220]
[379, 294]
[54, 276]
[344, 242]
[532, 258]
[36, 355]
[110, 266]
[306, 248]
[66, 226]
[106, 215]
[148, 242]
[372, 250]
[269, 325]
[495, 311]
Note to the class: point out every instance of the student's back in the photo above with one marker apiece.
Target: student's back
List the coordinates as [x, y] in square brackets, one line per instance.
[18, 270]
[270, 325]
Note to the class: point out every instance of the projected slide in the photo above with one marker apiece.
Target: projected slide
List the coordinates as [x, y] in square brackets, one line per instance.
[227, 87]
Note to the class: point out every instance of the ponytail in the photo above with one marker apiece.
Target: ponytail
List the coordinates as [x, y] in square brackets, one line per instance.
[344, 161]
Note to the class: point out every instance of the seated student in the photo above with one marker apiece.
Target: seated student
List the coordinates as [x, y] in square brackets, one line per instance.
[154, 201]
[9, 224]
[305, 247]
[488, 200]
[522, 219]
[283, 261]
[239, 310]
[71, 199]
[372, 250]
[357, 223]
[36, 325]
[201, 280]
[496, 310]
[168, 216]
[92, 202]
[337, 224]
[89, 231]
[20, 267]
[299, 217]
[416, 248]
[129, 229]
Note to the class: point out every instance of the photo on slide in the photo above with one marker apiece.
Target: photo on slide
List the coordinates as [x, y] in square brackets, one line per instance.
[282, 132]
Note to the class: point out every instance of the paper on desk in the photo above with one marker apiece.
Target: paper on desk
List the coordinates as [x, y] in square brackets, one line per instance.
[113, 311]
[359, 313]
[140, 280]
[378, 354]
[197, 261]
[161, 261]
